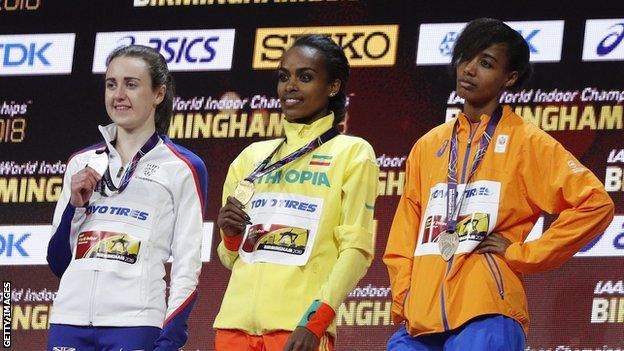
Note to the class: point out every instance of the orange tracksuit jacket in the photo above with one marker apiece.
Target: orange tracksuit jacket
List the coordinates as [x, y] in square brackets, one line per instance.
[524, 172]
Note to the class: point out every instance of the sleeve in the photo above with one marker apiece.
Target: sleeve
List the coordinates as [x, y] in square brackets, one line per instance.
[354, 236]
[403, 235]
[67, 220]
[557, 183]
[228, 247]
[186, 252]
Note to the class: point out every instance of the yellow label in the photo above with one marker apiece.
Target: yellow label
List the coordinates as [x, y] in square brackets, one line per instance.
[364, 46]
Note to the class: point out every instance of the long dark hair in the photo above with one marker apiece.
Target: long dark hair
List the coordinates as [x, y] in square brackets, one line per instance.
[160, 76]
[337, 67]
[480, 33]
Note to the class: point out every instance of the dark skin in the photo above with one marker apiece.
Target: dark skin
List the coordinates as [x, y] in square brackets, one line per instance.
[304, 86]
[481, 81]
[304, 89]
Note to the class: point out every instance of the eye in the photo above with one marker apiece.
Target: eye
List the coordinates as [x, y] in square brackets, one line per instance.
[282, 77]
[485, 63]
[132, 84]
[305, 77]
[110, 85]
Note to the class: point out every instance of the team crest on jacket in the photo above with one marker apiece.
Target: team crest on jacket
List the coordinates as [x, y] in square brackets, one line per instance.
[150, 169]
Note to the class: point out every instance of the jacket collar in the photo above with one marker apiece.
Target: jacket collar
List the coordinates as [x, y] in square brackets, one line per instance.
[299, 134]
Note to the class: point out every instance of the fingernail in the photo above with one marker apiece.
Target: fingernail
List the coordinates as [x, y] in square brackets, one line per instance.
[247, 217]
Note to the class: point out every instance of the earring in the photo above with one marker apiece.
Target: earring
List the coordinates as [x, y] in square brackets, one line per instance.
[332, 94]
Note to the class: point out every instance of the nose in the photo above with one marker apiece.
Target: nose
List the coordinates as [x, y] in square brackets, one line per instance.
[291, 84]
[471, 66]
[120, 93]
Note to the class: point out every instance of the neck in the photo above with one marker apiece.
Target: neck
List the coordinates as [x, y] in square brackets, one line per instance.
[474, 112]
[308, 120]
[129, 142]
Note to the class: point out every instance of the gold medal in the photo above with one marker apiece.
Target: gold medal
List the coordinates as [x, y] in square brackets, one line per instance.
[448, 242]
[244, 191]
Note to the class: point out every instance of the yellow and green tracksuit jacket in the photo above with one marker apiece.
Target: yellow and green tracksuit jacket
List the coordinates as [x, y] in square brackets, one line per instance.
[312, 230]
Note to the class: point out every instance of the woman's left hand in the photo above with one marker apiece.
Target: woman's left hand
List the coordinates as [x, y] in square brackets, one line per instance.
[301, 339]
[494, 243]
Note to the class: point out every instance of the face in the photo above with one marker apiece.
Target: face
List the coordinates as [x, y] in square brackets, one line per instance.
[303, 86]
[130, 100]
[482, 79]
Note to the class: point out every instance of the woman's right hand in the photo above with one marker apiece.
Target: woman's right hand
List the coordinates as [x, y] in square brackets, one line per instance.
[232, 219]
[82, 185]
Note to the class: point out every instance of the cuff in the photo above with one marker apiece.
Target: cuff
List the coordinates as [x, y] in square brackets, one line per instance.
[317, 318]
[232, 243]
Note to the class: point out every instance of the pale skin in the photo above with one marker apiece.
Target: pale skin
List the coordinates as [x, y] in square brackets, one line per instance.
[304, 89]
[131, 103]
[481, 81]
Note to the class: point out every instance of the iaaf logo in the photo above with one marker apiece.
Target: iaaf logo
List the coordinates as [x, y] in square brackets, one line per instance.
[184, 50]
[35, 54]
[436, 40]
[604, 40]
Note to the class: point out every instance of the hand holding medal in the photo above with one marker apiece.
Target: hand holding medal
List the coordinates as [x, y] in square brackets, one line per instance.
[232, 219]
[82, 186]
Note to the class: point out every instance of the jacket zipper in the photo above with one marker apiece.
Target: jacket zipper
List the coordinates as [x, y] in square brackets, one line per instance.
[92, 298]
[467, 156]
[450, 262]
[496, 274]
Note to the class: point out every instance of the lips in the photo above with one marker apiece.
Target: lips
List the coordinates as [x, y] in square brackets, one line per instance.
[121, 107]
[467, 84]
[291, 101]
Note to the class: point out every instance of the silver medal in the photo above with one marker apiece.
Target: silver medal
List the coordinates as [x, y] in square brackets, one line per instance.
[448, 242]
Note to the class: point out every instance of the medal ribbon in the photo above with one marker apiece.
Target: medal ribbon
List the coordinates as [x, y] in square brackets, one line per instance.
[264, 167]
[107, 182]
[452, 207]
